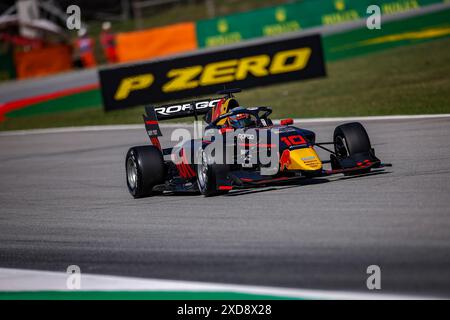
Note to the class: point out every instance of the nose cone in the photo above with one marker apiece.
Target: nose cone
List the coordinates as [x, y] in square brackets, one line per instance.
[305, 159]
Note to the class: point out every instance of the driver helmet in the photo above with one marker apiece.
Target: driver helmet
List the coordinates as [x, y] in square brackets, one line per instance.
[240, 120]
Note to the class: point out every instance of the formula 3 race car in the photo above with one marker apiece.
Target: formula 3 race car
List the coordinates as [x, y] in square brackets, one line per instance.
[192, 166]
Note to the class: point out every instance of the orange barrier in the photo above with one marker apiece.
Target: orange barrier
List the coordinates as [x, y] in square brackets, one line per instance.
[44, 61]
[156, 42]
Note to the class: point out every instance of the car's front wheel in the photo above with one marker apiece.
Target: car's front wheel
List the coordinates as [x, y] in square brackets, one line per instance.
[351, 138]
[351, 141]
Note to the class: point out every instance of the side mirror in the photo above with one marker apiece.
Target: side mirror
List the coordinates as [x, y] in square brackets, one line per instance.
[286, 122]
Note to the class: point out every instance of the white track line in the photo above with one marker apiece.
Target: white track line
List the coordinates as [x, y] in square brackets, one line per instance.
[14, 280]
[178, 125]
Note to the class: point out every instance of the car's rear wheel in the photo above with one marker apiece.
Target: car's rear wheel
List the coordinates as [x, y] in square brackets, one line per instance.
[145, 168]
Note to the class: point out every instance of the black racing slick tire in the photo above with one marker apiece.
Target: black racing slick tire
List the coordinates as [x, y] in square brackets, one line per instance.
[349, 139]
[145, 168]
[207, 176]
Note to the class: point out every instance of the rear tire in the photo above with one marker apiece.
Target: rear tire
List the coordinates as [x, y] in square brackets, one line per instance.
[207, 176]
[144, 166]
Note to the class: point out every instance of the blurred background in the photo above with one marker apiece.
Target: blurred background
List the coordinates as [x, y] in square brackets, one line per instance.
[38, 28]
[50, 72]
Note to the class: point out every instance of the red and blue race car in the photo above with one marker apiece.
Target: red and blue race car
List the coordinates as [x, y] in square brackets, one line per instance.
[240, 148]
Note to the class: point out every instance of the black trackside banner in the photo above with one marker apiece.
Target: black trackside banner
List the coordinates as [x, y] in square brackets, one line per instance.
[203, 73]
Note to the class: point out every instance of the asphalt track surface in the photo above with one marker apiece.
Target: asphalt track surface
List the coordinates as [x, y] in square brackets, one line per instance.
[64, 201]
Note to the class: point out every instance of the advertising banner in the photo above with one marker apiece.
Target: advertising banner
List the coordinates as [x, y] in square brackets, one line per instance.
[156, 42]
[293, 17]
[43, 61]
[243, 66]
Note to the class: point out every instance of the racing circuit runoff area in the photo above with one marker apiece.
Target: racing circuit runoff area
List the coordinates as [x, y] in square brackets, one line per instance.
[64, 201]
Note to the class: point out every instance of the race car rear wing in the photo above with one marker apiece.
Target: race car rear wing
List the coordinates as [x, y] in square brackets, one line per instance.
[174, 111]
[184, 109]
[180, 110]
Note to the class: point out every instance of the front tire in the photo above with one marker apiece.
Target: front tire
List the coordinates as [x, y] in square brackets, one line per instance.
[144, 166]
[350, 140]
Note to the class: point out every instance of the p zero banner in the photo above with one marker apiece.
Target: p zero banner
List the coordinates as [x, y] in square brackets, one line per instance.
[244, 66]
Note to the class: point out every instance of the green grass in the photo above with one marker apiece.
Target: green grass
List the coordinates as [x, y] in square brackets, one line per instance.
[412, 30]
[412, 79]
